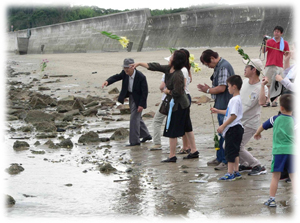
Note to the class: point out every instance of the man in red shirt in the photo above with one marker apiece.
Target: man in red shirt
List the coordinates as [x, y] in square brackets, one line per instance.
[274, 64]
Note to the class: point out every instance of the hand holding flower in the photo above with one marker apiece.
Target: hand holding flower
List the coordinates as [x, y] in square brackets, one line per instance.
[220, 129]
[264, 81]
[214, 110]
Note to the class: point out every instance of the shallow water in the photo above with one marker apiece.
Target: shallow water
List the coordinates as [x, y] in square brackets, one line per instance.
[65, 183]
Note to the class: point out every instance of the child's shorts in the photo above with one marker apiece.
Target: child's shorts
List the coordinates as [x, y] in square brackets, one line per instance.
[233, 139]
[281, 162]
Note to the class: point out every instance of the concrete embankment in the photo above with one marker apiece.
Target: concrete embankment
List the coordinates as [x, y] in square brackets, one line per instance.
[223, 27]
[219, 26]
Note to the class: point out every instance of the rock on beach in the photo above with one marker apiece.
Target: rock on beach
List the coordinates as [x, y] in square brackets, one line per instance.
[90, 137]
[15, 169]
[20, 145]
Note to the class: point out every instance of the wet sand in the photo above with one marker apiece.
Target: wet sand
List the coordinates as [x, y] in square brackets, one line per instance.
[167, 184]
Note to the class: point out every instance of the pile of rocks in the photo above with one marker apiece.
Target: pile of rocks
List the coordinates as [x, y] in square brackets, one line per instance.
[45, 117]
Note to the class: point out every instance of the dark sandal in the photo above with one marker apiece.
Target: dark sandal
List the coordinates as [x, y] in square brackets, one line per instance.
[182, 151]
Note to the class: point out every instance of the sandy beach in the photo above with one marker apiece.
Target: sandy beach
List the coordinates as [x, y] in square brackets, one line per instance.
[175, 196]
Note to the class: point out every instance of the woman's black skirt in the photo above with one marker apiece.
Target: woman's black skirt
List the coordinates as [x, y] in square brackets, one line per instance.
[180, 123]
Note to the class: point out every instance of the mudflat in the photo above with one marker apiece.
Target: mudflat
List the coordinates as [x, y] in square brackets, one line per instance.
[159, 189]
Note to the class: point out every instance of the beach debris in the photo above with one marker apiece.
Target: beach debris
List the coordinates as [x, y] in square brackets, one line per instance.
[27, 195]
[63, 75]
[121, 180]
[198, 181]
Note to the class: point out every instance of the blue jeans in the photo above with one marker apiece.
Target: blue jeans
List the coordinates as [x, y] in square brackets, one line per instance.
[221, 151]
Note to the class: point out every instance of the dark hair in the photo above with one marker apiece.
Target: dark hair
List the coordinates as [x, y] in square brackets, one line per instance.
[278, 28]
[187, 64]
[286, 101]
[179, 60]
[235, 80]
[257, 71]
[206, 56]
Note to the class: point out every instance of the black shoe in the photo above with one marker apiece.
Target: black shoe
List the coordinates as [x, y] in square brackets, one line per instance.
[243, 168]
[257, 170]
[192, 155]
[149, 137]
[170, 160]
[137, 144]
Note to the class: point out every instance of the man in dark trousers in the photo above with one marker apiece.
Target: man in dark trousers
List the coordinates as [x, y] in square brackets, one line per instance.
[219, 92]
[134, 86]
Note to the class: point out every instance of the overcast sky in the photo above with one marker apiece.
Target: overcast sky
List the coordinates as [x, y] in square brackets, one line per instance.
[132, 4]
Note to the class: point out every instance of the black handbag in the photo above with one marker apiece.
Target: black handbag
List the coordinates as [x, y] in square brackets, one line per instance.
[165, 105]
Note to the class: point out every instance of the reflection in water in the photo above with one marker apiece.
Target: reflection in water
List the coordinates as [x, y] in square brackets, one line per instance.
[155, 189]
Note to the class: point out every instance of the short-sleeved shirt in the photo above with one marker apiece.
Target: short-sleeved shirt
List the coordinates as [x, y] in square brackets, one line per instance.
[275, 57]
[283, 133]
[163, 94]
[234, 108]
[250, 101]
[222, 78]
[187, 77]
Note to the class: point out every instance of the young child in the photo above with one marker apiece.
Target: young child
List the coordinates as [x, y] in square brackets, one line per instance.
[283, 139]
[232, 128]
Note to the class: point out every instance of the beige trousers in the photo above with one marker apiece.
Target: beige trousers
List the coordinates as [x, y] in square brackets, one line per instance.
[246, 157]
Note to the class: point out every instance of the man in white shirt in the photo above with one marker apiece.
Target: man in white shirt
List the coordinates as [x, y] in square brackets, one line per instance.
[254, 94]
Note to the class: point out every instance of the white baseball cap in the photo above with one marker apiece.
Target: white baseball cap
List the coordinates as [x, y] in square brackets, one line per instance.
[257, 63]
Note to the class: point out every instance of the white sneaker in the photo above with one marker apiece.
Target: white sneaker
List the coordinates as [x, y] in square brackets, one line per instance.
[221, 166]
[155, 147]
[213, 162]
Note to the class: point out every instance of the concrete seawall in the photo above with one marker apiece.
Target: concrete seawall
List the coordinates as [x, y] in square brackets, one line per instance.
[222, 26]
[84, 35]
[231, 26]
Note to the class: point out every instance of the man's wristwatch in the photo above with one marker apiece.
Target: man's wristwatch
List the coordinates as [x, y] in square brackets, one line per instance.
[207, 90]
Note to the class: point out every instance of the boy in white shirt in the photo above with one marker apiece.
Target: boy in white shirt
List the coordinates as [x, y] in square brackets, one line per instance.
[232, 128]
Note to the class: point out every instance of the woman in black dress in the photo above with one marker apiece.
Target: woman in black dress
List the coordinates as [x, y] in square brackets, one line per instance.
[180, 120]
